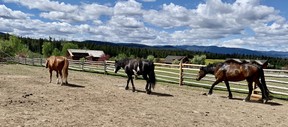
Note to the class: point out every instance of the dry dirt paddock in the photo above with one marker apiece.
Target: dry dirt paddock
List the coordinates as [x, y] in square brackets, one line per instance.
[27, 99]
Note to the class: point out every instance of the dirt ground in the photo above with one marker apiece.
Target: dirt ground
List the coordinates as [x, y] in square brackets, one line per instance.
[91, 99]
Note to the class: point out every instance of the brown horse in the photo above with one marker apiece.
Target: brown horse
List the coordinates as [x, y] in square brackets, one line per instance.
[60, 65]
[233, 71]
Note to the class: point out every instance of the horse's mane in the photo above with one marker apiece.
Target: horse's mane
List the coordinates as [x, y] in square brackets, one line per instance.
[215, 64]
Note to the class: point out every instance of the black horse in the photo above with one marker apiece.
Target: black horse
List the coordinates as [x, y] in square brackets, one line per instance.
[138, 67]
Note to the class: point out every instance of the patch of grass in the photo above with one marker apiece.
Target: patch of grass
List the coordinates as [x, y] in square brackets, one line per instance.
[211, 61]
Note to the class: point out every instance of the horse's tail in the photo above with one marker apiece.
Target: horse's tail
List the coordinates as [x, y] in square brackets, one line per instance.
[263, 82]
[65, 69]
[152, 76]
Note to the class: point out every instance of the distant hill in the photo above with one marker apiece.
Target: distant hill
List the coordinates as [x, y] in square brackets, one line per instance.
[225, 50]
[211, 49]
[219, 50]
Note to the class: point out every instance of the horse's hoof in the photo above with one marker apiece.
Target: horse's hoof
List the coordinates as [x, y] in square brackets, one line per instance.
[230, 97]
[126, 88]
[133, 90]
[246, 100]
[209, 93]
[148, 92]
[264, 101]
[270, 97]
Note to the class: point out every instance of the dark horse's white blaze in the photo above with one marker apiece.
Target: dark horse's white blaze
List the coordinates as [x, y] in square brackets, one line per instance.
[137, 67]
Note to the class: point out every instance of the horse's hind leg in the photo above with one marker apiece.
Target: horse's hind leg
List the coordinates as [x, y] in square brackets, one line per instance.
[264, 93]
[127, 85]
[228, 88]
[250, 87]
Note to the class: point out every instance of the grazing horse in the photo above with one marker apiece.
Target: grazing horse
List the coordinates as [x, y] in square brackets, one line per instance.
[137, 67]
[60, 65]
[233, 71]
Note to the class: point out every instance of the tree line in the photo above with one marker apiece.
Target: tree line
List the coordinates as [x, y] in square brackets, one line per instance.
[28, 47]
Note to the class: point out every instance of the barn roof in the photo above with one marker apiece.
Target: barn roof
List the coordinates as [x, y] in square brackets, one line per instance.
[259, 62]
[93, 53]
[170, 59]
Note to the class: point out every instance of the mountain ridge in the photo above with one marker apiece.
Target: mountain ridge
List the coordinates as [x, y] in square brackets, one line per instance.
[210, 49]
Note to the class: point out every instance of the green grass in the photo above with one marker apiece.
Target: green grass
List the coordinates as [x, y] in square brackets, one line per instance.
[211, 61]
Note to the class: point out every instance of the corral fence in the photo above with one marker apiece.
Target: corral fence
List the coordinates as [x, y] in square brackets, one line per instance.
[182, 74]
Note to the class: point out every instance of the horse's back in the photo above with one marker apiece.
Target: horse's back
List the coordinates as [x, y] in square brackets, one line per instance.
[148, 65]
[57, 62]
[236, 71]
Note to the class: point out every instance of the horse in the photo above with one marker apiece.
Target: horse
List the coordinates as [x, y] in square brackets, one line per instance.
[233, 71]
[60, 65]
[137, 67]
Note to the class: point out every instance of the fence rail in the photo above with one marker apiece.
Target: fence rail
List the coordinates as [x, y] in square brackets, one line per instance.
[182, 74]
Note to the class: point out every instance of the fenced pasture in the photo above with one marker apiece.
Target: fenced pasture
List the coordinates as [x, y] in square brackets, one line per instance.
[96, 99]
[182, 74]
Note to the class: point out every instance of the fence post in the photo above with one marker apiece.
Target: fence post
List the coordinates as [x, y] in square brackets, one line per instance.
[105, 67]
[41, 62]
[180, 73]
[82, 64]
[33, 61]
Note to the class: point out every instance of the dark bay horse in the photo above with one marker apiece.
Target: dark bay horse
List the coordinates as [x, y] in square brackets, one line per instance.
[137, 67]
[60, 65]
[233, 71]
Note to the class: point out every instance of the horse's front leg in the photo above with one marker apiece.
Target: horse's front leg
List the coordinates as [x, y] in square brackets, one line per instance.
[61, 77]
[228, 88]
[127, 85]
[213, 85]
[148, 85]
[133, 87]
[57, 75]
[50, 71]
[250, 87]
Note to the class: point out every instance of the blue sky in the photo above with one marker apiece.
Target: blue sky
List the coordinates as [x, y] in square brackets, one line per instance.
[251, 24]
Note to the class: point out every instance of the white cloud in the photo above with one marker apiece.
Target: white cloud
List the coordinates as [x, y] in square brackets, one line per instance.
[170, 16]
[209, 23]
[82, 13]
[126, 22]
[7, 13]
[148, 0]
[45, 5]
[128, 8]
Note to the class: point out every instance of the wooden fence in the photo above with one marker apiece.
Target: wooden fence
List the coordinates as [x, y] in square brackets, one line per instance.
[182, 74]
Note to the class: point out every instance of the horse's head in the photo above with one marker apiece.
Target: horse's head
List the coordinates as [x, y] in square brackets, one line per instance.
[202, 73]
[47, 62]
[117, 66]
